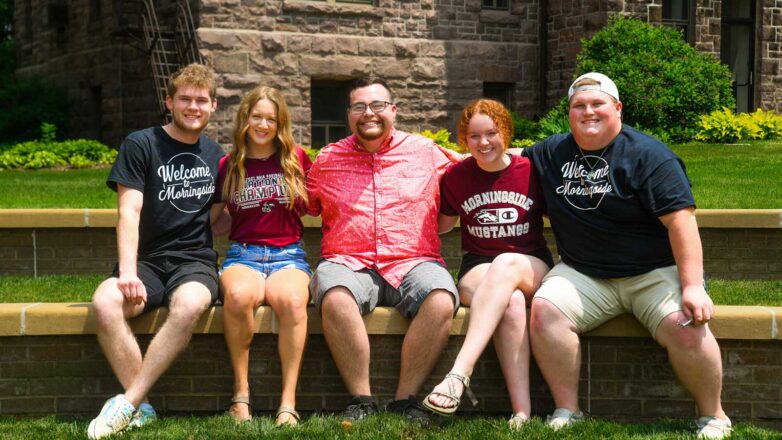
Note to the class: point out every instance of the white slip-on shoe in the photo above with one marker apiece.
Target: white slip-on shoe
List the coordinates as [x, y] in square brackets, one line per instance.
[713, 428]
[562, 418]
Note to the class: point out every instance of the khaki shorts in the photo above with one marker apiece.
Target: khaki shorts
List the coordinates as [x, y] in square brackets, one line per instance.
[589, 302]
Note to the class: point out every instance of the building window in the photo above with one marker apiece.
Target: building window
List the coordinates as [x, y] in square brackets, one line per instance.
[329, 112]
[680, 15]
[502, 5]
[502, 92]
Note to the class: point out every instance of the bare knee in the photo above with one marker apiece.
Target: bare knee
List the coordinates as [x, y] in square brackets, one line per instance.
[544, 316]
[438, 307]
[683, 338]
[292, 306]
[336, 302]
[189, 302]
[517, 309]
[238, 298]
[107, 303]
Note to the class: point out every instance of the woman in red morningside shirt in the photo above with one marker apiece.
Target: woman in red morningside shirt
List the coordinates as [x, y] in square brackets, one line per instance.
[262, 183]
[497, 199]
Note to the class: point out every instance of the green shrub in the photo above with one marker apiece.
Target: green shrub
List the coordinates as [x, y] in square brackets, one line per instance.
[664, 83]
[442, 138]
[77, 153]
[769, 123]
[555, 121]
[523, 128]
[522, 143]
[723, 126]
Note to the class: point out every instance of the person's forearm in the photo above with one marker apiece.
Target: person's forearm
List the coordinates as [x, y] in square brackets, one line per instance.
[127, 241]
[686, 245]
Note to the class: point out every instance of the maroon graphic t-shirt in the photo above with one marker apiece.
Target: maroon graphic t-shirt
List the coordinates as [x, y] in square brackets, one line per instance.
[499, 211]
[259, 212]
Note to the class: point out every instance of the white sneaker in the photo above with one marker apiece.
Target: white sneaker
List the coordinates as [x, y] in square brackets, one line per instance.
[113, 418]
[713, 428]
[143, 416]
[562, 418]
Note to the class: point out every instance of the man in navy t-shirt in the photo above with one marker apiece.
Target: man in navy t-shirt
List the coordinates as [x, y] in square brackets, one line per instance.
[165, 178]
[622, 212]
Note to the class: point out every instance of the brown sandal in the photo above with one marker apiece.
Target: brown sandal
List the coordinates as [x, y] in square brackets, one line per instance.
[287, 410]
[245, 400]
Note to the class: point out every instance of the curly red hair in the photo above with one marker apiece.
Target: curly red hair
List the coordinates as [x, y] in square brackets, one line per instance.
[491, 108]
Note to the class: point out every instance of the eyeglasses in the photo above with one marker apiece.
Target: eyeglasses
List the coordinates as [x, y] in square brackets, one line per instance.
[376, 107]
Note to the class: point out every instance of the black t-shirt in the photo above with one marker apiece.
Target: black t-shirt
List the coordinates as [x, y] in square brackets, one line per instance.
[604, 205]
[178, 181]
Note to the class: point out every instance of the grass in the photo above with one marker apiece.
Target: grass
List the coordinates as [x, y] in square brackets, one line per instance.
[734, 176]
[723, 176]
[79, 288]
[383, 426]
[84, 188]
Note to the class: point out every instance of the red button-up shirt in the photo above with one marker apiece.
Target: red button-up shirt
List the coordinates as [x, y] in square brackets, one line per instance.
[380, 209]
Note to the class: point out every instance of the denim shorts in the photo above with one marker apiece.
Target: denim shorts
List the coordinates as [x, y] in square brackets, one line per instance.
[267, 259]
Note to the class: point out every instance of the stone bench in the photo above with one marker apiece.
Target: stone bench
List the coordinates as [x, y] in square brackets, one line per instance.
[50, 363]
[36, 319]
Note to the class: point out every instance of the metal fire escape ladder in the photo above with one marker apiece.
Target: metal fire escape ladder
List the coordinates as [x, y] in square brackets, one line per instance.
[185, 33]
[161, 52]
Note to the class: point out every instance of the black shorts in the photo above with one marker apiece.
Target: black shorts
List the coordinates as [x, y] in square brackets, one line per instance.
[162, 275]
[470, 260]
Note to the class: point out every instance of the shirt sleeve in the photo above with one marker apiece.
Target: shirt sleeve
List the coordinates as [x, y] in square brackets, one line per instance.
[666, 189]
[445, 158]
[313, 188]
[447, 199]
[221, 173]
[130, 168]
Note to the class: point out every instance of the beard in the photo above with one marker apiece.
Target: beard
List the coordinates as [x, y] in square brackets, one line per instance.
[373, 133]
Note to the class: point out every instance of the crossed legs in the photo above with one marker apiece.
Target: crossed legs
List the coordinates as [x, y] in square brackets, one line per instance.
[137, 374]
[286, 292]
[497, 294]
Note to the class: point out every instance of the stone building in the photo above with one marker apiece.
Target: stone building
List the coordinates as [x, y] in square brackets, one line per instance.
[437, 54]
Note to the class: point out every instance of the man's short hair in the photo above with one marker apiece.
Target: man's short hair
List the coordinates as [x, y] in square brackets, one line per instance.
[366, 81]
[195, 75]
[594, 81]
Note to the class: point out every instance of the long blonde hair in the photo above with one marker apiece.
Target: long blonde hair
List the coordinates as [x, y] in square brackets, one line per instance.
[289, 161]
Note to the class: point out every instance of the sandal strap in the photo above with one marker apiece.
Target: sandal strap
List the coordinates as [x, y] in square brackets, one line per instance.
[241, 399]
[288, 410]
[466, 382]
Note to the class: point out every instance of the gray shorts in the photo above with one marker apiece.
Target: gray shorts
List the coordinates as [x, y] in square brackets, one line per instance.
[371, 290]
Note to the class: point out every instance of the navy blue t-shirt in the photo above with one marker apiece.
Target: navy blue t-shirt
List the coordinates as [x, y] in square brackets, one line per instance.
[178, 181]
[604, 205]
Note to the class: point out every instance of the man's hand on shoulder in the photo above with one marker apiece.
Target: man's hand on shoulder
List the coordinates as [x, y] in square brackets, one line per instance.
[132, 288]
[697, 305]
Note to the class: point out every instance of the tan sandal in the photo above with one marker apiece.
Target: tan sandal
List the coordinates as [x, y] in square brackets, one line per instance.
[287, 410]
[451, 394]
[244, 400]
[517, 421]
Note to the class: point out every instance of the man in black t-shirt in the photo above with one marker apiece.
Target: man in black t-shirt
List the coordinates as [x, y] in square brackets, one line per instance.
[622, 212]
[165, 178]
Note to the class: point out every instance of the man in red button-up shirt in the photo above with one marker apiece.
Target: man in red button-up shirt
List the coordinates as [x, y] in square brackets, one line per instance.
[378, 194]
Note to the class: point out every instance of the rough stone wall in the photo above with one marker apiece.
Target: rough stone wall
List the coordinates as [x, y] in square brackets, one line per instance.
[435, 54]
[628, 378]
[82, 54]
[728, 253]
[770, 55]
[708, 26]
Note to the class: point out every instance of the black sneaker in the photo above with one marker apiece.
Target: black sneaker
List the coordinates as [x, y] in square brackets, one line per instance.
[359, 408]
[410, 408]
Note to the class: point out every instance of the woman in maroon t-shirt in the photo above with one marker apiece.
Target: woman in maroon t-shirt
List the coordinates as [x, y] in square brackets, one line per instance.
[262, 183]
[498, 201]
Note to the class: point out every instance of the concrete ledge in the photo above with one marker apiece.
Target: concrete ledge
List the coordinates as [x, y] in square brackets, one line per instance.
[32, 319]
[107, 218]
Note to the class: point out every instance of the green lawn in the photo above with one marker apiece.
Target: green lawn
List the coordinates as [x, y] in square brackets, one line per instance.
[735, 176]
[79, 288]
[56, 189]
[384, 426]
[723, 176]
